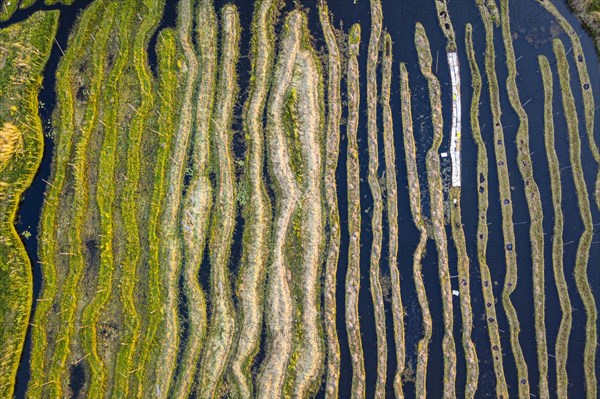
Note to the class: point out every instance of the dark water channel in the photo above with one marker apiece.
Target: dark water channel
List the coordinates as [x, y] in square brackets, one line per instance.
[532, 26]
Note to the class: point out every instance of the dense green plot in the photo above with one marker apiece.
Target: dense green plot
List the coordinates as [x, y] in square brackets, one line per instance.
[23, 55]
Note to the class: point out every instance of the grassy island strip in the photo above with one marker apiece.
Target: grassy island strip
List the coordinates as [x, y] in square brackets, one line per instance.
[414, 192]
[279, 318]
[105, 199]
[534, 203]
[25, 50]
[583, 249]
[510, 281]
[126, 361]
[434, 180]
[332, 144]
[354, 217]
[257, 212]
[458, 235]
[68, 203]
[306, 364]
[222, 322]
[171, 249]
[482, 225]
[392, 212]
[586, 86]
[168, 105]
[197, 204]
[373, 178]
[564, 330]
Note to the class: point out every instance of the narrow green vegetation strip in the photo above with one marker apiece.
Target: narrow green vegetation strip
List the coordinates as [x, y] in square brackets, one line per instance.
[197, 203]
[373, 179]
[126, 363]
[167, 105]
[434, 181]
[414, 192]
[354, 217]
[171, 249]
[25, 50]
[534, 204]
[458, 235]
[278, 297]
[391, 188]
[334, 112]
[222, 323]
[257, 210]
[51, 262]
[105, 198]
[77, 119]
[583, 249]
[564, 330]
[306, 364]
[510, 280]
[482, 224]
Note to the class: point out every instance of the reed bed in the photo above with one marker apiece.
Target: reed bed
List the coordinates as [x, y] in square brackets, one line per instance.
[257, 212]
[414, 192]
[354, 217]
[510, 280]
[564, 330]
[391, 189]
[583, 248]
[24, 55]
[373, 179]
[482, 224]
[534, 203]
[434, 181]
[334, 112]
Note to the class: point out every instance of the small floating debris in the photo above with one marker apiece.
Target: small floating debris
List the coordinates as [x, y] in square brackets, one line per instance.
[455, 293]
